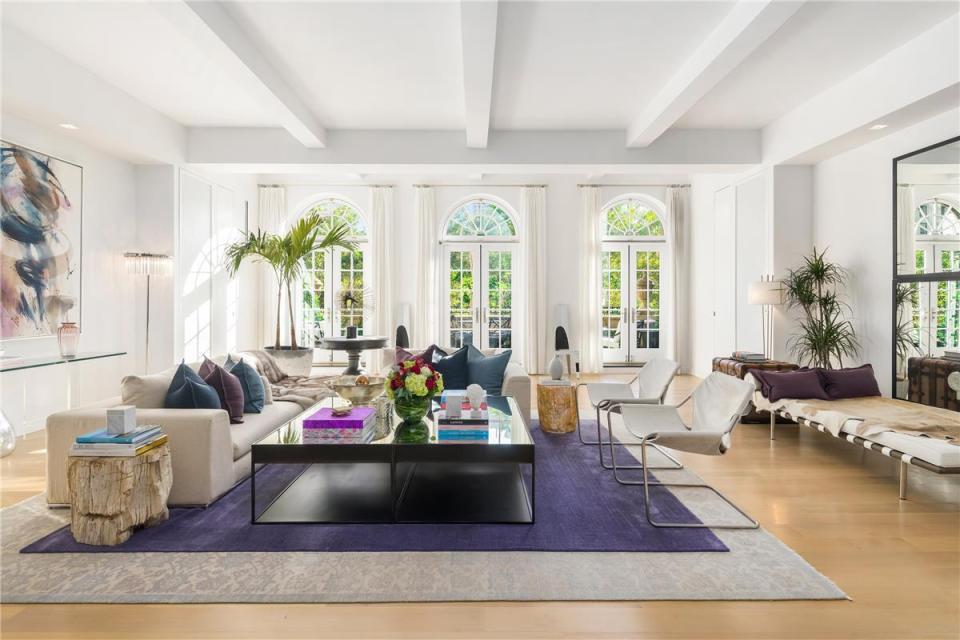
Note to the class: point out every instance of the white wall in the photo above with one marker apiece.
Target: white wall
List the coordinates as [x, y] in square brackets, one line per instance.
[107, 317]
[853, 217]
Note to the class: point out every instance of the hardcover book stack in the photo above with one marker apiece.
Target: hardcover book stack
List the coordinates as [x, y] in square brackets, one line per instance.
[951, 355]
[466, 426]
[356, 427]
[749, 356]
[133, 443]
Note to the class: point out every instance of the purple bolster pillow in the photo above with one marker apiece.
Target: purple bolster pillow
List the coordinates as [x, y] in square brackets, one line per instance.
[857, 382]
[800, 384]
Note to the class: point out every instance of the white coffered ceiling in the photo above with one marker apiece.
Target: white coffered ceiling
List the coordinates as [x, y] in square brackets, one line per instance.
[319, 67]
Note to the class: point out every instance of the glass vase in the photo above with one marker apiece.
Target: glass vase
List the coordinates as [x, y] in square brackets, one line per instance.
[412, 410]
[68, 336]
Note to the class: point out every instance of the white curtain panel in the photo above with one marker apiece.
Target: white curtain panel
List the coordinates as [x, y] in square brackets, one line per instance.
[534, 204]
[906, 239]
[428, 279]
[589, 312]
[678, 223]
[381, 244]
[272, 215]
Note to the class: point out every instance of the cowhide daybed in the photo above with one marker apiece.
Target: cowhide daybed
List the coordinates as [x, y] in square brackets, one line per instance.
[910, 433]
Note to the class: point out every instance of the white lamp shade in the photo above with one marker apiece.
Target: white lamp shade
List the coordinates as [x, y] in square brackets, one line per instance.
[765, 292]
[148, 264]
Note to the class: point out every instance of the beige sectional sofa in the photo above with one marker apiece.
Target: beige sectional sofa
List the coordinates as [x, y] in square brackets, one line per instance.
[209, 455]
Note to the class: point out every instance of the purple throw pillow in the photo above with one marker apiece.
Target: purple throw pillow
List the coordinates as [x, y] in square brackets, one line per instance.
[856, 382]
[427, 356]
[229, 389]
[802, 384]
[206, 367]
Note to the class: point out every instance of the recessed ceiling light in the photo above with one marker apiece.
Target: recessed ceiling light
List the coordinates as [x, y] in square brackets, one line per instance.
[877, 127]
[68, 125]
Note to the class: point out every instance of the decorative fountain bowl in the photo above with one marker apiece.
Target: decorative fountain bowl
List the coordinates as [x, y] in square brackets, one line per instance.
[359, 390]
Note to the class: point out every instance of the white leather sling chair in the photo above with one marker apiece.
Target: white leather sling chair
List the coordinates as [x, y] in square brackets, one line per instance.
[653, 380]
[718, 403]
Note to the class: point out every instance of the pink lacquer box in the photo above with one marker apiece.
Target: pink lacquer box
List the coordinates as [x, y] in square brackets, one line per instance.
[324, 419]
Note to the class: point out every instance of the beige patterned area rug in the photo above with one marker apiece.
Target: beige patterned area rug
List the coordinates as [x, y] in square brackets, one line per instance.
[757, 567]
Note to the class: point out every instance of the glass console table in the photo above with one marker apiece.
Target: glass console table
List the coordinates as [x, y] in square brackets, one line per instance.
[32, 362]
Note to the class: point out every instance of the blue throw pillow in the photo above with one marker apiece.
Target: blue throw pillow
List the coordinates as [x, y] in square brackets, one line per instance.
[253, 392]
[183, 373]
[192, 395]
[487, 371]
[453, 368]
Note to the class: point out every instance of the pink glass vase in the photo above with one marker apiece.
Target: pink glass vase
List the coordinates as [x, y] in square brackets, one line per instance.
[68, 335]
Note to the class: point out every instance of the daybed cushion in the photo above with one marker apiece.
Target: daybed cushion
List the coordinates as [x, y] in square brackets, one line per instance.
[857, 382]
[932, 450]
[257, 425]
[801, 384]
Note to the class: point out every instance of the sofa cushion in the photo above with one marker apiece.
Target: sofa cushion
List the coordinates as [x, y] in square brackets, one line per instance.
[857, 382]
[192, 394]
[429, 355]
[206, 367]
[250, 383]
[453, 368]
[487, 371]
[147, 391]
[228, 388]
[267, 391]
[257, 425]
[180, 377]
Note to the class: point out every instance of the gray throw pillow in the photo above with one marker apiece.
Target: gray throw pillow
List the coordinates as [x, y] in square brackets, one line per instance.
[487, 371]
[147, 391]
[253, 393]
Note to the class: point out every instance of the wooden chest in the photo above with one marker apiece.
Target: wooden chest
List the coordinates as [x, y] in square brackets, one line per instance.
[927, 382]
[740, 369]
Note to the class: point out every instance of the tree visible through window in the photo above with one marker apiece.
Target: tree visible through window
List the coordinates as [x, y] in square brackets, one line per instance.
[480, 218]
[632, 218]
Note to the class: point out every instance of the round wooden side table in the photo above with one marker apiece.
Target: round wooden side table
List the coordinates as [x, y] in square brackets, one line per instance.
[557, 407]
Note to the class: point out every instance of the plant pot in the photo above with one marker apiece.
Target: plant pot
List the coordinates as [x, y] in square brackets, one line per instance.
[293, 362]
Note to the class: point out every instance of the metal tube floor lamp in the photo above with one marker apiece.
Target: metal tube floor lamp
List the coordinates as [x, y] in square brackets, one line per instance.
[147, 264]
[768, 293]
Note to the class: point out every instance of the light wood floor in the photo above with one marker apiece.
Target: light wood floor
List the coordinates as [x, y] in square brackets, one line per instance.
[834, 504]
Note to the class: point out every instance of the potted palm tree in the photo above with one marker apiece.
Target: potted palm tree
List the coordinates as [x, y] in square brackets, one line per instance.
[284, 254]
[825, 335]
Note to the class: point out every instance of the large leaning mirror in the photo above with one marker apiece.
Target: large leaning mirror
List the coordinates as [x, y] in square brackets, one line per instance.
[926, 290]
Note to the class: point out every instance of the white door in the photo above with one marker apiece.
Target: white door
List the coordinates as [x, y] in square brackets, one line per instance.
[478, 295]
[326, 275]
[938, 314]
[633, 298]
[724, 272]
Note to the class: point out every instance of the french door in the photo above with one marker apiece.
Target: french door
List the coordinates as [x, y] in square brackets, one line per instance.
[632, 288]
[326, 275]
[937, 317]
[478, 294]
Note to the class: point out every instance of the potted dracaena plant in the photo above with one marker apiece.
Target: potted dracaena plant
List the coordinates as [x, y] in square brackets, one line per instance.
[825, 336]
[284, 254]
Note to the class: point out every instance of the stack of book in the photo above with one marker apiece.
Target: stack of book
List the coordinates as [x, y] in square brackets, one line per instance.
[951, 355]
[470, 426]
[356, 427]
[102, 443]
[749, 356]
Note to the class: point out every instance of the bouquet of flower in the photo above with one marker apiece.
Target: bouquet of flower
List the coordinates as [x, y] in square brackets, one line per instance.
[413, 380]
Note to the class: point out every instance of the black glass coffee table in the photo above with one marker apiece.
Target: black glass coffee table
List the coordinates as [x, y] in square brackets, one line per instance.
[386, 481]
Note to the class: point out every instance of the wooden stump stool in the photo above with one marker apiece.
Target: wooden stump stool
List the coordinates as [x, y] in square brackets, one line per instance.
[112, 496]
[557, 407]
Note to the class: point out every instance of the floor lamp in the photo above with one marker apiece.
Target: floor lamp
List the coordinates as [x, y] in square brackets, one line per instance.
[767, 293]
[147, 264]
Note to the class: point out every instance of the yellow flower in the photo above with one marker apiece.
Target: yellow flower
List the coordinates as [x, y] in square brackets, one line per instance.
[416, 384]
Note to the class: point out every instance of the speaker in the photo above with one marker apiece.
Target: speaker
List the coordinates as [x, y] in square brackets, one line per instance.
[403, 340]
[560, 341]
[561, 320]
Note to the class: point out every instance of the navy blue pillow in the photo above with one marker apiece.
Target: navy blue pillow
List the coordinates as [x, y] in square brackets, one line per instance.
[183, 373]
[192, 395]
[252, 385]
[487, 371]
[453, 368]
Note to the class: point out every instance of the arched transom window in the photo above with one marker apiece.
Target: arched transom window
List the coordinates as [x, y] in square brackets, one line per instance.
[479, 218]
[632, 218]
[937, 217]
[336, 211]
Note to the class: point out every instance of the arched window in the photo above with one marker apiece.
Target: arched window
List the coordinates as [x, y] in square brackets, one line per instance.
[335, 293]
[480, 270]
[937, 217]
[633, 281]
[480, 218]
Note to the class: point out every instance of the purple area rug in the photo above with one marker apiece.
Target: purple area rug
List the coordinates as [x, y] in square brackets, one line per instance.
[580, 507]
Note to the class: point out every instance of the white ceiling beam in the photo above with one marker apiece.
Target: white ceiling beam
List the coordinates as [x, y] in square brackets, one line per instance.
[746, 27]
[478, 34]
[210, 26]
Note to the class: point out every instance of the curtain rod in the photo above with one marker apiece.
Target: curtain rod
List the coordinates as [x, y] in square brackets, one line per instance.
[481, 185]
[324, 184]
[651, 184]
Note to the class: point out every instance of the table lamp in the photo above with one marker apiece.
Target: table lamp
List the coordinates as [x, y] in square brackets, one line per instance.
[766, 292]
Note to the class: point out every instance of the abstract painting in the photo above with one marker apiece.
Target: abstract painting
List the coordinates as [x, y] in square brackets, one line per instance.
[41, 225]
